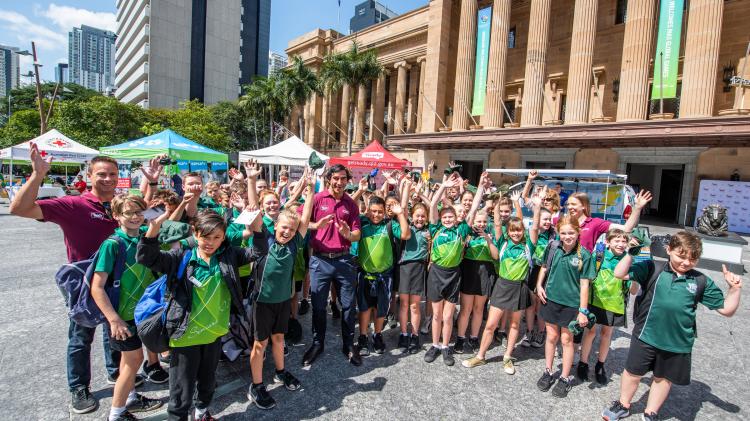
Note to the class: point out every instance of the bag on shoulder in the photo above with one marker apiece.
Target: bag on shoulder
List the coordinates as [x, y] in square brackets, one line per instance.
[152, 308]
[74, 281]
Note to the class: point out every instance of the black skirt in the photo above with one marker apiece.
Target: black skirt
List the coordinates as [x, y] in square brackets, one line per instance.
[558, 314]
[606, 317]
[412, 277]
[477, 277]
[510, 295]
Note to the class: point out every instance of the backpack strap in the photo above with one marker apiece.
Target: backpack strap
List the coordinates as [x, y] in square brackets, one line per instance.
[183, 264]
[552, 247]
[119, 261]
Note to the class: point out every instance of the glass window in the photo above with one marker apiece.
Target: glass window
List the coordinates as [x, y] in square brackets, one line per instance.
[512, 37]
[621, 12]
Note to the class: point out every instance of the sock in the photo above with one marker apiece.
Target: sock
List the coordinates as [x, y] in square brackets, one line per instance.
[132, 396]
[460, 338]
[115, 412]
[257, 384]
[280, 372]
[199, 412]
[599, 365]
[475, 338]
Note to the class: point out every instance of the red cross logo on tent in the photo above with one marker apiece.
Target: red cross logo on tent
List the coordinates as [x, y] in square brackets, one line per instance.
[43, 154]
[59, 143]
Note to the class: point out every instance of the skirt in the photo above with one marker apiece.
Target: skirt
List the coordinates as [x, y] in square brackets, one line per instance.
[412, 277]
[477, 277]
[607, 318]
[510, 295]
[558, 314]
[443, 284]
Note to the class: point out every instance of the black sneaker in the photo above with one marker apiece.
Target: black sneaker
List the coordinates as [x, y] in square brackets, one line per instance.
[378, 344]
[474, 342]
[414, 345]
[600, 374]
[615, 412]
[458, 346]
[650, 417]
[546, 381]
[562, 388]
[304, 307]
[468, 347]
[335, 312]
[431, 354]
[82, 402]
[403, 342]
[583, 371]
[448, 356]
[289, 381]
[363, 343]
[126, 416]
[154, 373]
[139, 379]
[354, 356]
[143, 404]
[260, 396]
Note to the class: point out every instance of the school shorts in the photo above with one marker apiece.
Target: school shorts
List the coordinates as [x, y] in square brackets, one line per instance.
[131, 344]
[374, 291]
[672, 366]
[270, 319]
[477, 277]
[412, 277]
[443, 284]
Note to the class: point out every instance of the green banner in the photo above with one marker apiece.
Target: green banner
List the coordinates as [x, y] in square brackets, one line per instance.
[667, 49]
[484, 23]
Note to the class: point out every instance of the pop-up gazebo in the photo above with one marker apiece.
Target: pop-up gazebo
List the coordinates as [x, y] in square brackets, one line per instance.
[292, 151]
[372, 156]
[166, 142]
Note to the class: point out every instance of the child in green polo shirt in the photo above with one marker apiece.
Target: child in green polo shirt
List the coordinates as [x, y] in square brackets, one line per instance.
[565, 299]
[128, 210]
[272, 297]
[535, 329]
[664, 322]
[412, 268]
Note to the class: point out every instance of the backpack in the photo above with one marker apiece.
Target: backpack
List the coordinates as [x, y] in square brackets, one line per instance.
[74, 280]
[151, 311]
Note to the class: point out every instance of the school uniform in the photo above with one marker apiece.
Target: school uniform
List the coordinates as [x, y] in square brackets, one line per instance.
[537, 256]
[511, 290]
[375, 258]
[608, 293]
[563, 286]
[478, 273]
[412, 266]
[444, 277]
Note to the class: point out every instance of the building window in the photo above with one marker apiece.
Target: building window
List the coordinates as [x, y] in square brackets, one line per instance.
[511, 107]
[362, 11]
[621, 12]
[512, 37]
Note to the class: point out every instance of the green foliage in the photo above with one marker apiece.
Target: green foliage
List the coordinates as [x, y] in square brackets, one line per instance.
[23, 125]
[267, 98]
[299, 82]
[353, 68]
[196, 122]
[24, 98]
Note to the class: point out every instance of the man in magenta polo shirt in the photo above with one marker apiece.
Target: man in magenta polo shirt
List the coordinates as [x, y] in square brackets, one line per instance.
[86, 221]
[335, 225]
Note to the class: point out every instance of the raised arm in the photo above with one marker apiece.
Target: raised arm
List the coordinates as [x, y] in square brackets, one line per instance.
[641, 200]
[536, 203]
[732, 299]
[151, 174]
[177, 214]
[514, 197]
[253, 170]
[448, 181]
[361, 189]
[24, 203]
[148, 253]
[529, 182]
[498, 221]
[484, 184]
[403, 223]
[405, 190]
[306, 180]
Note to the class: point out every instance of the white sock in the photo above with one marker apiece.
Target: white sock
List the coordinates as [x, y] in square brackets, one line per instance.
[200, 412]
[438, 346]
[132, 396]
[115, 412]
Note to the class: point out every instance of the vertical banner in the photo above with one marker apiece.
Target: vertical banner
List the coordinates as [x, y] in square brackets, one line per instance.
[667, 49]
[484, 23]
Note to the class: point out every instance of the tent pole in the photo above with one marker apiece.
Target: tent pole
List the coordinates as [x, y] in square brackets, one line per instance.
[11, 168]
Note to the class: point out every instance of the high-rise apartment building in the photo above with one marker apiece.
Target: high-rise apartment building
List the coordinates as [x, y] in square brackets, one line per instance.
[169, 51]
[369, 13]
[276, 62]
[91, 58]
[61, 73]
[9, 70]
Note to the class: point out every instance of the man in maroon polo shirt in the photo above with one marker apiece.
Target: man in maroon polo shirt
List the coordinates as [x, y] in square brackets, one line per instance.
[335, 225]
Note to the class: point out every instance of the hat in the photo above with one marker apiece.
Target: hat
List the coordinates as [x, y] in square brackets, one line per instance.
[315, 162]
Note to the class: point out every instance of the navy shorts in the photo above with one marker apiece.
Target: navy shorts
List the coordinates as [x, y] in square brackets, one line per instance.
[374, 291]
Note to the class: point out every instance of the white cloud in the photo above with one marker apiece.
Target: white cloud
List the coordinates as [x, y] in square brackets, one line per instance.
[66, 18]
[25, 31]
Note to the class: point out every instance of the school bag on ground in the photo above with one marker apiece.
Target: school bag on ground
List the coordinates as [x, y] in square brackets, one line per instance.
[151, 311]
[74, 281]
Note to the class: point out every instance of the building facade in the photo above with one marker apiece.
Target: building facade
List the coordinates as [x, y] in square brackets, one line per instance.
[61, 73]
[276, 62]
[170, 51]
[564, 84]
[10, 72]
[369, 13]
[256, 30]
[91, 58]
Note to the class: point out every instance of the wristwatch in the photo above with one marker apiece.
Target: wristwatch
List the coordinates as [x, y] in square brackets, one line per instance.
[584, 311]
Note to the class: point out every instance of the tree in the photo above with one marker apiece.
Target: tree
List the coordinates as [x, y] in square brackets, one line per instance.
[266, 98]
[22, 126]
[300, 83]
[196, 122]
[352, 68]
[24, 98]
[239, 124]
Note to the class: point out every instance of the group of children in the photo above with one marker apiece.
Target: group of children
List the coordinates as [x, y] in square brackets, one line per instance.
[454, 245]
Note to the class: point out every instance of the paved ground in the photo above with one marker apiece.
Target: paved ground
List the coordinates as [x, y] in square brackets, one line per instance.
[33, 386]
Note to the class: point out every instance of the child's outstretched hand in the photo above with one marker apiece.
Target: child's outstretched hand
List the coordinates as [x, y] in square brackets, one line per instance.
[515, 196]
[642, 199]
[533, 174]
[252, 169]
[396, 209]
[733, 280]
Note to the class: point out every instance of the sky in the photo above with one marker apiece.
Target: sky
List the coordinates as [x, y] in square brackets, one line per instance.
[48, 23]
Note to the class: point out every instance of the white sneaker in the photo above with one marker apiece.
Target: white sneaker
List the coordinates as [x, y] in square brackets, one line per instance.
[525, 341]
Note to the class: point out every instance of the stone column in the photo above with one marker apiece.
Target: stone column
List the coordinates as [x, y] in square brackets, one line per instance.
[536, 63]
[316, 105]
[344, 122]
[378, 109]
[701, 58]
[391, 101]
[436, 73]
[636, 54]
[398, 119]
[467, 45]
[359, 124]
[305, 129]
[581, 57]
[411, 109]
[493, 111]
[420, 93]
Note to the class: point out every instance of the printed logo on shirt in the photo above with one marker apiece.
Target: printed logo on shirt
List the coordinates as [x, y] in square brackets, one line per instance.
[324, 208]
[97, 215]
[691, 287]
[345, 211]
[575, 261]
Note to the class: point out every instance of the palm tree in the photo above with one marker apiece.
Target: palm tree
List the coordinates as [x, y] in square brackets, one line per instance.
[352, 68]
[300, 83]
[266, 98]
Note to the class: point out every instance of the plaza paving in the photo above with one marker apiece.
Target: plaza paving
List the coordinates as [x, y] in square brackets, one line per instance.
[33, 330]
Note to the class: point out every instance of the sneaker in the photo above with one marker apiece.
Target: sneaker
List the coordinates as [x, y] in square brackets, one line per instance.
[143, 404]
[526, 341]
[615, 412]
[335, 312]
[378, 344]
[289, 381]
[431, 354]
[206, 417]
[363, 343]
[583, 371]
[546, 381]
[537, 340]
[562, 388]
[474, 342]
[414, 345]
[473, 362]
[304, 307]
[448, 356]
[508, 366]
[154, 373]
[426, 328]
[600, 374]
[649, 417]
[112, 379]
[458, 347]
[403, 342]
[82, 402]
[286, 350]
[126, 416]
[468, 347]
[260, 396]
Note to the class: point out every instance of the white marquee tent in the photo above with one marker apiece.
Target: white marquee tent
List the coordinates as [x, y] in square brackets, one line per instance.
[292, 151]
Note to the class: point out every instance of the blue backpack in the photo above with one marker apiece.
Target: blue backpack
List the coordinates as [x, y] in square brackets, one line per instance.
[151, 311]
[74, 280]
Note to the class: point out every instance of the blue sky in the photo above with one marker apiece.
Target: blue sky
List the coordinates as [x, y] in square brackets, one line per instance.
[48, 23]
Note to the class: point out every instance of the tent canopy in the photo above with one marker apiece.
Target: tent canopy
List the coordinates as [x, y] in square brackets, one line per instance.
[596, 174]
[292, 151]
[166, 142]
[61, 148]
[372, 156]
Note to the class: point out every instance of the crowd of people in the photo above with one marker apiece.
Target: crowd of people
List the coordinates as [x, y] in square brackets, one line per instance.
[375, 256]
